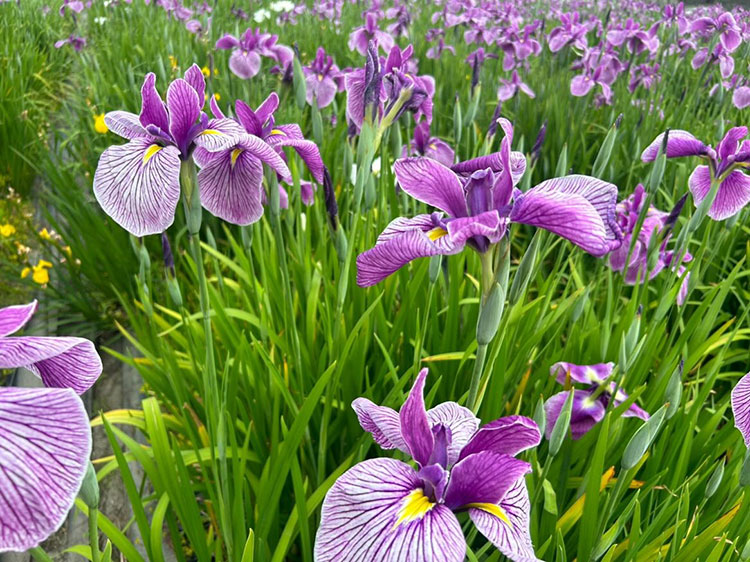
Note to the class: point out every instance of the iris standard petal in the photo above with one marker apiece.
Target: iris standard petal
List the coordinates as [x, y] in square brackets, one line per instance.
[490, 225]
[153, 111]
[741, 407]
[45, 443]
[138, 185]
[267, 108]
[509, 435]
[732, 196]
[231, 187]
[461, 422]
[355, 97]
[585, 374]
[244, 64]
[184, 110]
[377, 512]
[125, 124]
[382, 423]
[484, 477]
[679, 143]
[578, 208]
[415, 427]
[510, 534]
[13, 318]
[432, 183]
[194, 77]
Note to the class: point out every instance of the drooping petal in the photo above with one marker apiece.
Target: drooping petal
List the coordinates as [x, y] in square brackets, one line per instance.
[377, 512]
[578, 208]
[732, 196]
[13, 318]
[45, 443]
[138, 185]
[432, 183]
[509, 435]
[679, 143]
[461, 422]
[415, 427]
[231, 187]
[184, 110]
[244, 64]
[741, 407]
[382, 423]
[265, 153]
[227, 42]
[125, 124]
[441, 151]
[585, 414]
[307, 150]
[483, 477]
[510, 535]
[585, 374]
[153, 111]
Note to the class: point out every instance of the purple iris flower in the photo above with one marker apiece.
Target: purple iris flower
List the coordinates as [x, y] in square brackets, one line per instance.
[436, 51]
[570, 32]
[589, 405]
[730, 34]
[725, 165]
[402, 14]
[245, 59]
[719, 55]
[655, 223]
[73, 5]
[741, 97]
[634, 38]
[475, 202]
[383, 510]
[645, 75]
[231, 180]
[741, 407]
[676, 14]
[138, 183]
[361, 36]
[430, 147]
[509, 88]
[323, 79]
[75, 41]
[45, 439]
[599, 69]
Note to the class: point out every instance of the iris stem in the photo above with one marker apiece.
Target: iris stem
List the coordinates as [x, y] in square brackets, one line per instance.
[94, 534]
[476, 376]
[488, 281]
[38, 554]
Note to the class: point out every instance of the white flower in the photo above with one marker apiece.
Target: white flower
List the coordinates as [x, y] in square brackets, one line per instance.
[282, 6]
[100, 20]
[261, 15]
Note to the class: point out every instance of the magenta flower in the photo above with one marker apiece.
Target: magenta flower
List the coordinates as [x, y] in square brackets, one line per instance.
[475, 202]
[323, 79]
[509, 88]
[570, 32]
[247, 51]
[361, 36]
[589, 405]
[45, 439]
[725, 165]
[634, 38]
[383, 510]
[75, 41]
[741, 407]
[730, 34]
[138, 183]
[430, 147]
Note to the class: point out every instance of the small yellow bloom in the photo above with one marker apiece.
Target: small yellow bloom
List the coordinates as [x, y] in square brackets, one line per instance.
[25, 272]
[68, 251]
[39, 273]
[44, 234]
[206, 71]
[7, 230]
[99, 125]
[173, 62]
[217, 96]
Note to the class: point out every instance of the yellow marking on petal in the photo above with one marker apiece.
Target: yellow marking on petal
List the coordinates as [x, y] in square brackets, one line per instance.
[416, 505]
[436, 233]
[433, 146]
[211, 132]
[492, 509]
[277, 132]
[235, 154]
[153, 149]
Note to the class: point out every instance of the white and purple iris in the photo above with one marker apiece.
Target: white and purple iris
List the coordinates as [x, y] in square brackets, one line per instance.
[477, 199]
[384, 510]
[45, 439]
[590, 404]
[741, 407]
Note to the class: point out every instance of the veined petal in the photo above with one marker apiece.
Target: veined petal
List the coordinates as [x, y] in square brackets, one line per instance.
[586, 412]
[509, 534]
[741, 407]
[415, 427]
[45, 443]
[376, 512]
[184, 110]
[579, 208]
[220, 134]
[153, 111]
[733, 195]
[461, 422]
[679, 143]
[355, 97]
[265, 153]
[60, 362]
[483, 477]
[489, 224]
[267, 108]
[194, 77]
[432, 183]
[138, 185]
[509, 435]
[13, 318]
[248, 118]
[306, 149]
[585, 374]
[125, 124]
[231, 187]
[382, 423]
[244, 64]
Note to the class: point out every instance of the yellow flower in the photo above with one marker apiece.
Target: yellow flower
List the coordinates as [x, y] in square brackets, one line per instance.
[99, 125]
[68, 251]
[25, 272]
[206, 71]
[217, 96]
[7, 230]
[173, 62]
[44, 235]
[40, 276]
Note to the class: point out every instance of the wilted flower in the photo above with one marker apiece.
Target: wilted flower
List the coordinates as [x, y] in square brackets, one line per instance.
[383, 510]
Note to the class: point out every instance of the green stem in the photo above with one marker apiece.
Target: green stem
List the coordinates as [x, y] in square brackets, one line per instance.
[488, 280]
[476, 376]
[38, 554]
[94, 534]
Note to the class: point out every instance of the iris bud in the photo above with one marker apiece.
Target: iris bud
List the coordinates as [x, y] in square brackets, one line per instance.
[713, 483]
[89, 491]
[642, 439]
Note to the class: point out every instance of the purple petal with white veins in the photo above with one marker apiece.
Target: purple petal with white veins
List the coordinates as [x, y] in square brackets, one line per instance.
[153, 111]
[382, 423]
[509, 435]
[138, 185]
[184, 110]
[579, 208]
[731, 141]
[267, 108]
[679, 143]
[461, 422]
[13, 318]
[732, 196]
[219, 134]
[483, 477]
[266, 153]
[432, 183]
[415, 428]
[306, 149]
[512, 538]
[194, 77]
[244, 64]
[231, 187]
[585, 414]
[45, 443]
[355, 96]
[490, 225]
[741, 407]
[125, 124]
[585, 374]
[363, 519]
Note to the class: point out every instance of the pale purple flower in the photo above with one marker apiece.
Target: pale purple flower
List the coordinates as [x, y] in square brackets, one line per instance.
[75, 6]
[45, 439]
[509, 88]
[75, 41]
[138, 183]
[476, 200]
[383, 510]
[570, 32]
[430, 147]
[361, 36]
[323, 79]
[741, 407]
[726, 164]
[589, 405]
[725, 25]
[436, 51]
[247, 51]
[634, 38]
[741, 97]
